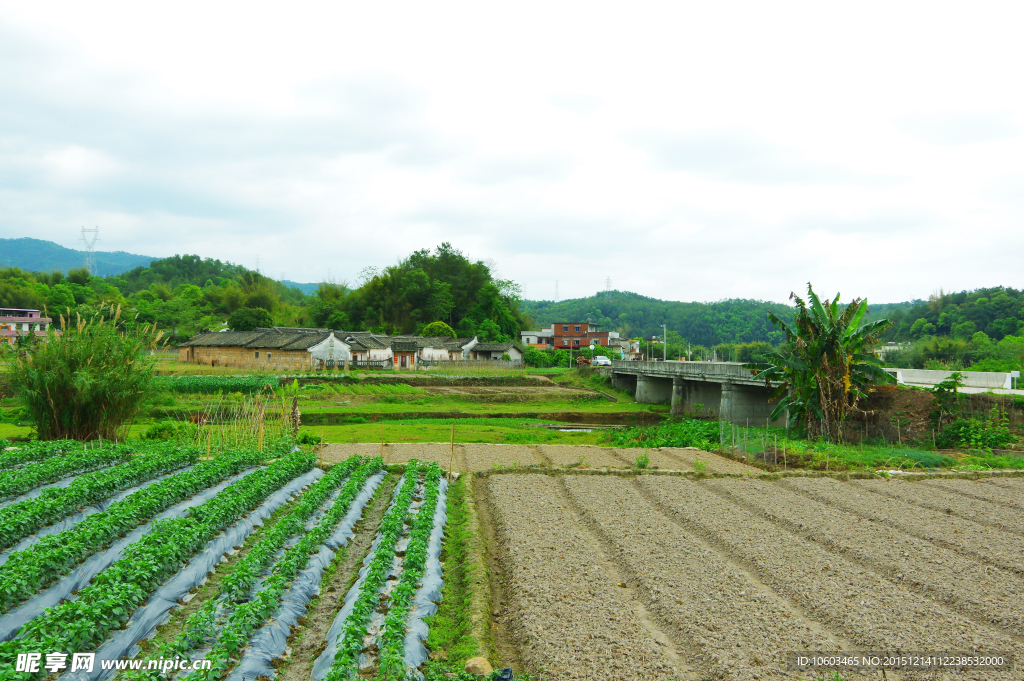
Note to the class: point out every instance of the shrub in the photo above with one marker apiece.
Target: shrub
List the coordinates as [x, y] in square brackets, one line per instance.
[88, 381]
[171, 430]
[248, 318]
[975, 434]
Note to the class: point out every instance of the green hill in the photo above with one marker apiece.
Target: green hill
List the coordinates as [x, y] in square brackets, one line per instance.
[36, 255]
[709, 324]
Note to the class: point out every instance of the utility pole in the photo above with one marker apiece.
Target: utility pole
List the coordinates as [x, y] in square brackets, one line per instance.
[664, 338]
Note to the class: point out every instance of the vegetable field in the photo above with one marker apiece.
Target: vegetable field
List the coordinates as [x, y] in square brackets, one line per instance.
[102, 548]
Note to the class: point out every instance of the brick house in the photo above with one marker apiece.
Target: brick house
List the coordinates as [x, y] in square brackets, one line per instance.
[15, 322]
[278, 349]
[579, 335]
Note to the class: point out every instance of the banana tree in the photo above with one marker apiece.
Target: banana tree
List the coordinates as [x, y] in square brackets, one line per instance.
[825, 366]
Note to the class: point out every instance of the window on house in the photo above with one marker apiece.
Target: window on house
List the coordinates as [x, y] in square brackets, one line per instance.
[566, 328]
[565, 341]
[577, 331]
[268, 356]
[257, 354]
[577, 341]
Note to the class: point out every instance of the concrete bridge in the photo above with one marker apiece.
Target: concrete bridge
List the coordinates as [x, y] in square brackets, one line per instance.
[718, 389]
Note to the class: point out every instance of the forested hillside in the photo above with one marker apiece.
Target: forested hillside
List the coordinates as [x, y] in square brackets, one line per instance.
[186, 294]
[708, 324]
[37, 255]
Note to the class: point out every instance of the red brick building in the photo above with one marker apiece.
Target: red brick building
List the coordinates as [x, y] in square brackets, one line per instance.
[578, 335]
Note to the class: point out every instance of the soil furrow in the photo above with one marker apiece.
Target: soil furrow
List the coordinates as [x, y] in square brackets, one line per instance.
[986, 594]
[977, 489]
[732, 624]
[715, 462]
[986, 544]
[870, 611]
[1007, 483]
[482, 457]
[583, 456]
[307, 643]
[983, 512]
[565, 611]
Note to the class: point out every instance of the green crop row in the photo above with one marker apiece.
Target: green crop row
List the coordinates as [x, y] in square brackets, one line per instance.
[54, 556]
[250, 616]
[350, 641]
[109, 601]
[392, 641]
[22, 519]
[236, 586]
[13, 483]
[216, 384]
[34, 451]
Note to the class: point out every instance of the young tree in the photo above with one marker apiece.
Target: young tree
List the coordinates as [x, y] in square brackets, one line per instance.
[248, 318]
[88, 381]
[438, 330]
[825, 365]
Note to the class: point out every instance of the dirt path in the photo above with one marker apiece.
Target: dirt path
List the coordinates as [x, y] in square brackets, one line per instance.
[306, 644]
[986, 594]
[730, 624]
[862, 606]
[983, 543]
[566, 613]
[985, 512]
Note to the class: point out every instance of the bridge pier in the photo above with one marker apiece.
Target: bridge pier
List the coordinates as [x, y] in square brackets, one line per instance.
[653, 389]
[746, 405]
[624, 381]
[695, 398]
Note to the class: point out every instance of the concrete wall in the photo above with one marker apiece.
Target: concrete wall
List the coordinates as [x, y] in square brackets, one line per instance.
[972, 379]
[653, 390]
[696, 398]
[622, 381]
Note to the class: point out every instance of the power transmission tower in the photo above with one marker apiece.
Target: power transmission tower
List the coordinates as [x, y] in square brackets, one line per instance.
[608, 288]
[556, 290]
[89, 238]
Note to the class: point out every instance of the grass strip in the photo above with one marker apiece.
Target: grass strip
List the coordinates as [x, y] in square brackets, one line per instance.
[391, 663]
[109, 601]
[27, 572]
[451, 629]
[350, 642]
[22, 519]
[13, 483]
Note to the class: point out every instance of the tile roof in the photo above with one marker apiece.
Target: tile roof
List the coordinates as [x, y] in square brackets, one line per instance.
[223, 338]
[495, 347]
[404, 346]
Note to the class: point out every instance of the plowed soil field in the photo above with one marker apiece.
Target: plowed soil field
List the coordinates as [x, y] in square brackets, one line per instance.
[482, 457]
[661, 577]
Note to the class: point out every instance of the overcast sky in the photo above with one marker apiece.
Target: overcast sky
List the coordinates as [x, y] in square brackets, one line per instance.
[688, 151]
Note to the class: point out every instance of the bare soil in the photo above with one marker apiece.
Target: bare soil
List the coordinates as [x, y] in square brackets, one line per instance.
[484, 457]
[659, 577]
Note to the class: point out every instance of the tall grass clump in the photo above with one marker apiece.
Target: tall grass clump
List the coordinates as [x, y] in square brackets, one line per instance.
[87, 381]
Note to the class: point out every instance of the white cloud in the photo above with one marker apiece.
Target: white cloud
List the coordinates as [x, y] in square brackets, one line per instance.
[688, 151]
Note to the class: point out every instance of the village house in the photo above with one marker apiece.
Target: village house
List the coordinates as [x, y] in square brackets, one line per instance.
[297, 349]
[497, 351]
[16, 322]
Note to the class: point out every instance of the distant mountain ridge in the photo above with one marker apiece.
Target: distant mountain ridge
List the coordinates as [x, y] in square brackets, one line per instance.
[36, 255]
[725, 321]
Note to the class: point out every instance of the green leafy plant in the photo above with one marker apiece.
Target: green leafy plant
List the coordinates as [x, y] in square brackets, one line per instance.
[217, 384]
[88, 381]
[109, 601]
[825, 366]
[643, 461]
[700, 466]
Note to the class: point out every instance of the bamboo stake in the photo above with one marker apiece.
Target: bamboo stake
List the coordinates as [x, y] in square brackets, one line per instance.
[382, 439]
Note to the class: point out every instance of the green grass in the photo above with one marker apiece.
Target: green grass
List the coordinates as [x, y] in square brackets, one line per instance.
[451, 628]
